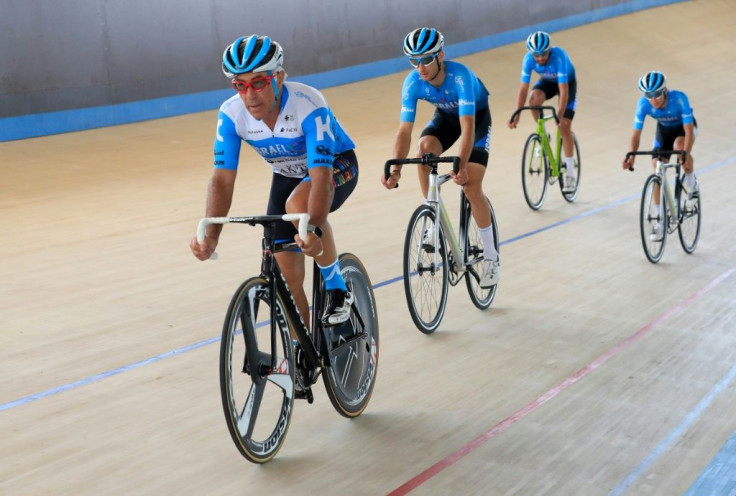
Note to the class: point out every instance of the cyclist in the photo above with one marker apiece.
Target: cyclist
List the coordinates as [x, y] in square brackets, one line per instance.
[556, 77]
[314, 166]
[462, 112]
[676, 130]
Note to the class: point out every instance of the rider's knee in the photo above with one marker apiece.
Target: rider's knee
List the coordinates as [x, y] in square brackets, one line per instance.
[429, 144]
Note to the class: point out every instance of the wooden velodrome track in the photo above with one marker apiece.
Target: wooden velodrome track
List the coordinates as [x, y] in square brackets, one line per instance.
[594, 371]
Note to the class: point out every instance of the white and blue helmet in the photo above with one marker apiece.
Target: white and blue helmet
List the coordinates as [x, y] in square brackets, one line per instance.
[423, 41]
[252, 53]
[652, 82]
[537, 42]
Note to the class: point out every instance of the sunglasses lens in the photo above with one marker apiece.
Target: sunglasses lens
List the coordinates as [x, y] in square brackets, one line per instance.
[654, 94]
[421, 60]
[258, 84]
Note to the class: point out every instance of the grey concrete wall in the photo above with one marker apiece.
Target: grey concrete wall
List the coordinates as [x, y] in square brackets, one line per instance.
[67, 54]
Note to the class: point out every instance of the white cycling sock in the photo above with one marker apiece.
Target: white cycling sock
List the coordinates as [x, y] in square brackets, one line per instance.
[489, 249]
[570, 165]
[689, 181]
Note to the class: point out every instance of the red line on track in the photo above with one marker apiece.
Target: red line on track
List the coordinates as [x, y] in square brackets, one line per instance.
[449, 460]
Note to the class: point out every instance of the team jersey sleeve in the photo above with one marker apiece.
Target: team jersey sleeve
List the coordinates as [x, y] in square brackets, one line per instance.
[227, 143]
[319, 135]
[466, 91]
[686, 111]
[640, 113]
[563, 67]
[409, 99]
[526, 68]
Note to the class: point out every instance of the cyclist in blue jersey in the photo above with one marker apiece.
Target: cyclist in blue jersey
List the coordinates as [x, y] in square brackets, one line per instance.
[462, 112]
[314, 166]
[676, 130]
[556, 77]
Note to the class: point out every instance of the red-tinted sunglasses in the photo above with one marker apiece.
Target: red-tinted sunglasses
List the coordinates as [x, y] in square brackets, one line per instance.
[256, 84]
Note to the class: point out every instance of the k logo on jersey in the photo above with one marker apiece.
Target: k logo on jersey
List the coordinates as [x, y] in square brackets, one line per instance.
[323, 126]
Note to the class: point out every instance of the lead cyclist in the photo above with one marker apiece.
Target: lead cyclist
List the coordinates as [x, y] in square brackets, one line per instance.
[314, 165]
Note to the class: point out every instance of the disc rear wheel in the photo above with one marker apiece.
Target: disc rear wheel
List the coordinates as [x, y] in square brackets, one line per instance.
[352, 347]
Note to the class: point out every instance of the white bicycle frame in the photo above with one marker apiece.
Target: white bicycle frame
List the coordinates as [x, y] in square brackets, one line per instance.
[666, 194]
[435, 202]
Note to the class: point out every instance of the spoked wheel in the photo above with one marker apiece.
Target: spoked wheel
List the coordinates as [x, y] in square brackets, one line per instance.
[257, 388]
[481, 297]
[570, 197]
[534, 172]
[353, 346]
[653, 241]
[425, 272]
[689, 227]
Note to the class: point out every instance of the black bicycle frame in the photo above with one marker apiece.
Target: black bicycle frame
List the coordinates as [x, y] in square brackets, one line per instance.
[309, 341]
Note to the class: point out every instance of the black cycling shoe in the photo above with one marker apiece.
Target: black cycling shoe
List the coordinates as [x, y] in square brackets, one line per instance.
[338, 307]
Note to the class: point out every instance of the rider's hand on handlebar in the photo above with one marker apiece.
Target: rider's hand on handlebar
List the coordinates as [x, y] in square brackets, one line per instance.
[312, 247]
[514, 122]
[628, 163]
[205, 250]
[392, 180]
[461, 177]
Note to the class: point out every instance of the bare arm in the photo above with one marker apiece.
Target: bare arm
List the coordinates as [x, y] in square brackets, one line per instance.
[564, 92]
[401, 150]
[520, 101]
[403, 140]
[688, 146]
[467, 137]
[633, 147]
[321, 193]
[219, 199]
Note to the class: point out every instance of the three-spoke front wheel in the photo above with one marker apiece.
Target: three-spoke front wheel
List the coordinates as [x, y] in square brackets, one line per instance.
[425, 270]
[256, 372]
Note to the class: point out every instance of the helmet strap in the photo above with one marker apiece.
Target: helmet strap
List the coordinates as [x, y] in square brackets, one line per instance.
[275, 87]
[439, 69]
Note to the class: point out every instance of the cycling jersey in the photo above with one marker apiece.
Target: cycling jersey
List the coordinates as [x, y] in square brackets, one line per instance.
[306, 134]
[558, 68]
[461, 93]
[675, 113]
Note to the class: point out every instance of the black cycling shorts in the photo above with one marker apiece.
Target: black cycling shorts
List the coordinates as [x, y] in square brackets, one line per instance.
[446, 128]
[344, 178]
[551, 88]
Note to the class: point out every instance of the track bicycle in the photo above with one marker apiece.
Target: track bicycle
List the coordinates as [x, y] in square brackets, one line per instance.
[427, 271]
[677, 211]
[539, 165]
[262, 371]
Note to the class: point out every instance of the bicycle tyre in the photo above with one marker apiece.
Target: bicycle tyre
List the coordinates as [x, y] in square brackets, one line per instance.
[534, 172]
[688, 229]
[572, 195]
[257, 435]
[647, 217]
[425, 285]
[351, 375]
[481, 297]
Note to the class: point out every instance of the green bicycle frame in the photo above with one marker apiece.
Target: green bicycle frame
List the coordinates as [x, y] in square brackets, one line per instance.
[554, 158]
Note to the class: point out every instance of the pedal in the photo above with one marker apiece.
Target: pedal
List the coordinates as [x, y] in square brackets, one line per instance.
[304, 394]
